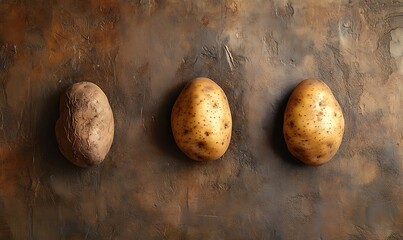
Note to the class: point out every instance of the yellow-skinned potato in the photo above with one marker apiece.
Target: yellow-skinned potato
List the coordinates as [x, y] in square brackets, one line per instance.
[313, 123]
[201, 120]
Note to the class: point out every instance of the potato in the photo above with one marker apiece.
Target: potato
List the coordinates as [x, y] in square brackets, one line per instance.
[85, 128]
[313, 123]
[201, 120]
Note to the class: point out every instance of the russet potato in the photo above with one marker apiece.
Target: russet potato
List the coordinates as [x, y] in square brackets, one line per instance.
[85, 128]
[313, 123]
[201, 120]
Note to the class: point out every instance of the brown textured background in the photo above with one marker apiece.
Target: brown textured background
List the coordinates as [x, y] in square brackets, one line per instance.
[142, 52]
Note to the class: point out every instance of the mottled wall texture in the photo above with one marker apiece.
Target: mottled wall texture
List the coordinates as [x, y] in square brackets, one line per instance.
[141, 53]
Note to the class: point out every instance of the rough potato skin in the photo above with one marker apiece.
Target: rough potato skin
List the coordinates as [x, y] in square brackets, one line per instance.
[313, 123]
[201, 120]
[85, 128]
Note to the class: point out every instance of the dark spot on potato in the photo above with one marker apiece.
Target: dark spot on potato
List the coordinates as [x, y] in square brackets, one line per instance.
[215, 105]
[329, 145]
[185, 132]
[299, 150]
[319, 156]
[201, 144]
[207, 133]
[291, 124]
[225, 125]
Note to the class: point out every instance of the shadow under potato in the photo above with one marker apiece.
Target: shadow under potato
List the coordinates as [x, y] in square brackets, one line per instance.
[45, 131]
[161, 133]
[275, 132]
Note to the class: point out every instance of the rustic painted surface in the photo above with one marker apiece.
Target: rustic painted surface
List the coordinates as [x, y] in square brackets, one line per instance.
[141, 53]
